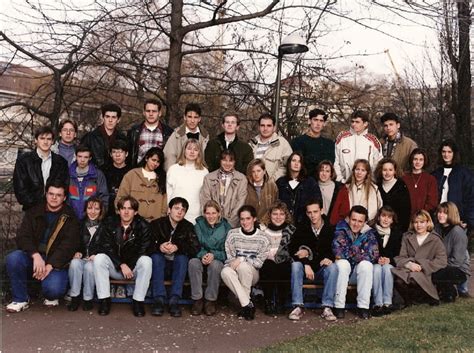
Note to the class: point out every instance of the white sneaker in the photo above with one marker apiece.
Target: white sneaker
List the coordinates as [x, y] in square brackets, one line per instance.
[16, 307]
[50, 303]
[296, 314]
[328, 315]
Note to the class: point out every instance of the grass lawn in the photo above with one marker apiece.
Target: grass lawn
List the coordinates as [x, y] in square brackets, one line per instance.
[446, 328]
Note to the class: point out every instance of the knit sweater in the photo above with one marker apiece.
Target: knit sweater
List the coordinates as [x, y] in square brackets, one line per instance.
[314, 150]
[251, 248]
[423, 190]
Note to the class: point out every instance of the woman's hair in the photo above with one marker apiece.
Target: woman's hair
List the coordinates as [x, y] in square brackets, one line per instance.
[330, 165]
[160, 170]
[200, 164]
[368, 179]
[277, 205]
[303, 172]
[256, 162]
[247, 208]
[95, 199]
[454, 147]
[451, 210]
[378, 170]
[387, 210]
[423, 215]
[414, 153]
[212, 204]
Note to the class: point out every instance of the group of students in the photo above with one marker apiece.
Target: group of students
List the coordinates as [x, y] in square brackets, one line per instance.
[180, 203]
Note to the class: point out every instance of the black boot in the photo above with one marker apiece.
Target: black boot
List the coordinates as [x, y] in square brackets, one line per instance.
[270, 307]
[74, 304]
[138, 308]
[158, 307]
[104, 306]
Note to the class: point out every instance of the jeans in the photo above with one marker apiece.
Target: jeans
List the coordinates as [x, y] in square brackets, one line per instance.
[82, 270]
[240, 281]
[362, 275]
[104, 269]
[195, 269]
[382, 287]
[20, 269]
[328, 274]
[446, 278]
[162, 268]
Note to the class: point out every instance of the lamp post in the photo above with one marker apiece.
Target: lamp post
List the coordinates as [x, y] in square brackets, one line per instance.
[291, 44]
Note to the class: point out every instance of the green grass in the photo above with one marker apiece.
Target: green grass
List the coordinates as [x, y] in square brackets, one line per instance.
[446, 328]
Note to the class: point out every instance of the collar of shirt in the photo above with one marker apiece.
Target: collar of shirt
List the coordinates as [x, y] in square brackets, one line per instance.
[186, 130]
[40, 155]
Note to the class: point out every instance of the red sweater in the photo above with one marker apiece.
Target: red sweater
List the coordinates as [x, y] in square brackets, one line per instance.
[425, 194]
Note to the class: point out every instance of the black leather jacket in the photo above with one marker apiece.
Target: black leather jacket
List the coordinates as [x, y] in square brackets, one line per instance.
[28, 182]
[184, 236]
[100, 146]
[127, 252]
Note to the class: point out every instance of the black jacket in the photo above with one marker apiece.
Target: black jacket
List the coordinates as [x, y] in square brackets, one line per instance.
[398, 198]
[127, 252]
[89, 244]
[133, 137]
[28, 182]
[100, 146]
[33, 227]
[393, 246]
[184, 236]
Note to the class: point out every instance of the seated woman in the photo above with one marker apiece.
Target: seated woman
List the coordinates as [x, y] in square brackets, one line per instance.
[81, 268]
[326, 176]
[277, 266]
[211, 230]
[455, 241]
[246, 249]
[422, 253]
[358, 191]
[261, 190]
[393, 191]
[389, 238]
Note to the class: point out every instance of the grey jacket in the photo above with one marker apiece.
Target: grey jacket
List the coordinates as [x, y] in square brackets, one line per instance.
[456, 248]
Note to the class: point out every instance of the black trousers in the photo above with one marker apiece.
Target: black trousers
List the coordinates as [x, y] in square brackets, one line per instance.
[274, 272]
[445, 280]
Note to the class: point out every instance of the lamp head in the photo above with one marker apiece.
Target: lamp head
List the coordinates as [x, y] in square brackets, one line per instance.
[292, 44]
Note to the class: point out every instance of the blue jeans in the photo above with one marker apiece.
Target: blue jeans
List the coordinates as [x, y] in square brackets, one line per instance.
[382, 285]
[81, 275]
[163, 268]
[326, 273]
[20, 270]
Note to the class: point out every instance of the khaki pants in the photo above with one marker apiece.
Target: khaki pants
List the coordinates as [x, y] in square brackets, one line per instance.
[240, 281]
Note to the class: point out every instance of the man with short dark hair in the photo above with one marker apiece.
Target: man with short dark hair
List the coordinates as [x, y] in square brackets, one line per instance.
[356, 249]
[100, 139]
[66, 146]
[356, 143]
[312, 145]
[115, 172]
[270, 147]
[124, 242]
[152, 132]
[47, 240]
[174, 243]
[33, 170]
[191, 128]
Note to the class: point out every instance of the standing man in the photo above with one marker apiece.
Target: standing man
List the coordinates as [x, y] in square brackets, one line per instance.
[66, 146]
[33, 170]
[47, 240]
[123, 248]
[228, 140]
[115, 172]
[356, 249]
[152, 132]
[100, 139]
[395, 145]
[273, 149]
[191, 128]
[312, 145]
[356, 143]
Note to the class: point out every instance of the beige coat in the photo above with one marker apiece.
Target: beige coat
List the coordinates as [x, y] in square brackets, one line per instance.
[402, 152]
[431, 256]
[152, 204]
[235, 196]
[275, 156]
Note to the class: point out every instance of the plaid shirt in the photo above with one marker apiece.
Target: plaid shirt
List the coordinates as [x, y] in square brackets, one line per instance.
[149, 139]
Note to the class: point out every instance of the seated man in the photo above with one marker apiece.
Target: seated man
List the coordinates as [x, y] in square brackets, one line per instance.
[355, 248]
[123, 247]
[47, 240]
[311, 249]
[174, 243]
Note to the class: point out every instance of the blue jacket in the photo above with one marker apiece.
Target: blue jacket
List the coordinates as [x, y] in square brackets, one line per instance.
[461, 190]
[93, 184]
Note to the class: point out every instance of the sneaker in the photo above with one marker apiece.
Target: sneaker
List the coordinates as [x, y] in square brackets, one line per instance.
[50, 303]
[328, 315]
[297, 313]
[120, 292]
[16, 307]
[464, 295]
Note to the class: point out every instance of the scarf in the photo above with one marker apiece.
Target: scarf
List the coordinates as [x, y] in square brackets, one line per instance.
[388, 148]
[327, 191]
[384, 233]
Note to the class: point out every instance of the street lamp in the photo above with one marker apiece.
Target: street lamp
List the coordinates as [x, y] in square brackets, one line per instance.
[291, 44]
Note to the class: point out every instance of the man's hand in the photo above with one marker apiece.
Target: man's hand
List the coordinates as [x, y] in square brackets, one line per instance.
[309, 273]
[325, 262]
[384, 260]
[235, 263]
[302, 253]
[39, 266]
[126, 271]
[48, 269]
[168, 248]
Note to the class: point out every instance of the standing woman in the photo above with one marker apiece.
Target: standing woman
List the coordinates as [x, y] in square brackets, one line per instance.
[359, 191]
[211, 230]
[147, 184]
[185, 178]
[326, 176]
[296, 188]
[261, 190]
[422, 186]
[393, 191]
[81, 268]
[455, 241]
[422, 254]
[277, 266]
